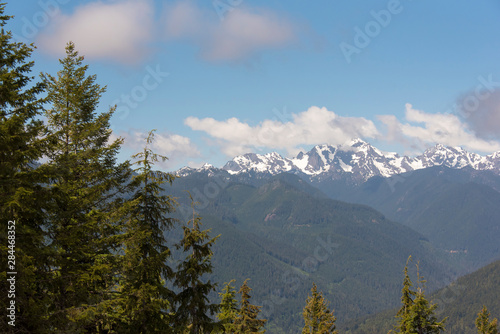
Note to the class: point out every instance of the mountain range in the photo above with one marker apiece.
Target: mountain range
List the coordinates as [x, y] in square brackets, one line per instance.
[442, 207]
[356, 161]
[449, 195]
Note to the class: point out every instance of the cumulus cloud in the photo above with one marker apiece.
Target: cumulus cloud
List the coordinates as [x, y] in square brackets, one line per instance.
[177, 148]
[424, 129]
[241, 34]
[313, 126]
[114, 31]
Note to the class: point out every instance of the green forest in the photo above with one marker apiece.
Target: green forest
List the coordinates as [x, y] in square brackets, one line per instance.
[88, 240]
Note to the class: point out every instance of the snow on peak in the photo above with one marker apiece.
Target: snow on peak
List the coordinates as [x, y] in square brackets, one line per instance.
[355, 158]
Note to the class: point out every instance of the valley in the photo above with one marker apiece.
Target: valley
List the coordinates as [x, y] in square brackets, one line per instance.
[348, 228]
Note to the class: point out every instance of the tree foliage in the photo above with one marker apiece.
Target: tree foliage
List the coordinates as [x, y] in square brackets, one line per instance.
[228, 307]
[85, 186]
[248, 320]
[22, 195]
[483, 323]
[194, 310]
[317, 316]
[416, 315]
[145, 300]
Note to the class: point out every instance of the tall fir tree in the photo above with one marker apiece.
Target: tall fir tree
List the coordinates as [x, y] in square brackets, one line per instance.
[22, 194]
[144, 301]
[228, 307]
[317, 316]
[194, 312]
[483, 324]
[407, 296]
[248, 320]
[416, 315]
[86, 187]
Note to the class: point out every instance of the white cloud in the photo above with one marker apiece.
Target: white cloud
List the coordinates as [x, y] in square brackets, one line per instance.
[314, 126]
[175, 147]
[114, 31]
[241, 34]
[446, 129]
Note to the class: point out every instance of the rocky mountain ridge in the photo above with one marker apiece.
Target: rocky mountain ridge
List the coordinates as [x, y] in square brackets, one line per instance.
[356, 160]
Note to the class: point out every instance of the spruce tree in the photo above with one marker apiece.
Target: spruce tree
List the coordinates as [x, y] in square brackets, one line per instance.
[247, 320]
[228, 307]
[144, 304]
[407, 296]
[86, 186]
[416, 315]
[317, 316]
[193, 309]
[22, 194]
[483, 324]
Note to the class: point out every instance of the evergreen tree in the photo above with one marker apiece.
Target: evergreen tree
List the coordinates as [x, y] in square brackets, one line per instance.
[247, 320]
[407, 295]
[416, 315]
[483, 324]
[317, 316]
[86, 186]
[22, 194]
[144, 303]
[228, 307]
[194, 310]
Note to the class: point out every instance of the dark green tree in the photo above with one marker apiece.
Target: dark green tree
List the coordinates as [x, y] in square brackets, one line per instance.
[22, 194]
[483, 324]
[407, 296]
[416, 315]
[317, 316]
[193, 309]
[228, 307]
[247, 320]
[144, 304]
[86, 185]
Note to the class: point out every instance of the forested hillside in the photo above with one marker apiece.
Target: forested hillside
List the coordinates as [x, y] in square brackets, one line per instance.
[286, 238]
[460, 302]
[457, 210]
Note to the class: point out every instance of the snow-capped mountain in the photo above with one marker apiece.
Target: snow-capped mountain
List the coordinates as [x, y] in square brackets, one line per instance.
[357, 160]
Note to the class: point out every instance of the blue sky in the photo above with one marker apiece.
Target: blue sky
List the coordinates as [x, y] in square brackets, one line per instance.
[226, 77]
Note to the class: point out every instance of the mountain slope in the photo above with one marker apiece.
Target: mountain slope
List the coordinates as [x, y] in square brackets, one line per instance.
[284, 238]
[446, 205]
[460, 301]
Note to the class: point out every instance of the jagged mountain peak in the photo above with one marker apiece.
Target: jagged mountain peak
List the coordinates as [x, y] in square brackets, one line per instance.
[355, 142]
[357, 160]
